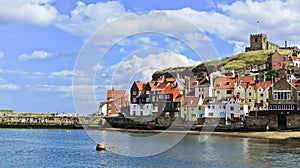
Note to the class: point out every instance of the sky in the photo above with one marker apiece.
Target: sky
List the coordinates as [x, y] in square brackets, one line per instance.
[62, 55]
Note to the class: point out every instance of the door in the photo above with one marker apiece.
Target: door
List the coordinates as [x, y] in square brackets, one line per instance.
[282, 121]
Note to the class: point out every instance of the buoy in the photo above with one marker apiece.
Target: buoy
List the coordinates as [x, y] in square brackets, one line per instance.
[100, 147]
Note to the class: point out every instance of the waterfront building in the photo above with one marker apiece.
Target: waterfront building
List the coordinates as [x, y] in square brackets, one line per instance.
[214, 108]
[139, 100]
[262, 95]
[169, 102]
[116, 102]
[190, 109]
[236, 109]
[284, 105]
[250, 97]
[223, 87]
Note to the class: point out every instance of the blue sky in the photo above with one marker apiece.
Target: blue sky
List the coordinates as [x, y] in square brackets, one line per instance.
[41, 42]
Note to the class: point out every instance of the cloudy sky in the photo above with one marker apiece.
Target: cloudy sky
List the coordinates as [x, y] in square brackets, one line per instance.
[55, 51]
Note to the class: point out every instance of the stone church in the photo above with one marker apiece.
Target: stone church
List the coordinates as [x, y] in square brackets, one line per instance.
[260, 42]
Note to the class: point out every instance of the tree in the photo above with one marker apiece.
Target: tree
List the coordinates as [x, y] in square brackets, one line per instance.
[271, 75]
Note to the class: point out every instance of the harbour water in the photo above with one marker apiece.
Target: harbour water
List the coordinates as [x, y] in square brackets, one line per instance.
[75, 148]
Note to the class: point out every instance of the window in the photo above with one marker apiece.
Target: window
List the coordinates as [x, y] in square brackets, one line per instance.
[141, 107]
[134, 92]
[261, 95]
[227, 83]
[255, 39]
[283, 65]
[279, 64]
[298, 95]
[241, 108]
[213, 107]
[147, 92]
[176, 114]
[134, 106]
[211, 114]
[231, 108]
[167, 96]
[229, 91]
[167, 114]
[208, 107]
[147, 99]
[161, 96]
[267, 100]
[250, 100]
[282, 95]
[249, 93]
[283, 59]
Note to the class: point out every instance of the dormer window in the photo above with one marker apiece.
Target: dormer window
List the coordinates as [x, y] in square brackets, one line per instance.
[134, 93]
[227, 83]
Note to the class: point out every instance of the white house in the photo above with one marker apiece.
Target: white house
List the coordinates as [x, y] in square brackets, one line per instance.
[296, 62]
[236, 109]
[214, 108]
[141, 109]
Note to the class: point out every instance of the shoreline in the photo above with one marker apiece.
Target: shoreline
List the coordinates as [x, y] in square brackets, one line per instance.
[275, 135]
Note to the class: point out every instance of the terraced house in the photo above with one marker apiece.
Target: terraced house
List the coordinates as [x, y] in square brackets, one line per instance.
[284, 105]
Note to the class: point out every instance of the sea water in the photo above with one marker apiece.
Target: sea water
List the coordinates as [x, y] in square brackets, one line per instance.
[75, 148]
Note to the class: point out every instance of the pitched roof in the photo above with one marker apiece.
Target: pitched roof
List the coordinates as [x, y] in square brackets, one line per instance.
[172, 90]
[156, 85]
[295, 82]
[141, 86]
[115, 93]
[263, 85]
[190, 101]
[224, 83]
[247, 79]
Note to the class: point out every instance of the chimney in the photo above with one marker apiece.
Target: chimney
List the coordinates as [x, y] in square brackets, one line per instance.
[285, 44]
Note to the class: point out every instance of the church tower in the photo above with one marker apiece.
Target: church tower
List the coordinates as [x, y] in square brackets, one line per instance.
[258, 42]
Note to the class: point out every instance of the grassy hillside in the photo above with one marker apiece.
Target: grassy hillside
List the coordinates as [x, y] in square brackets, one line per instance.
[237, 62]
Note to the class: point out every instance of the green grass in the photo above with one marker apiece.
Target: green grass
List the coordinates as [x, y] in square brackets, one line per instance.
[237, 62]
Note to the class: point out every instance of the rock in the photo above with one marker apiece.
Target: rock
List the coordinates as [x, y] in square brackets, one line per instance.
[100, 147]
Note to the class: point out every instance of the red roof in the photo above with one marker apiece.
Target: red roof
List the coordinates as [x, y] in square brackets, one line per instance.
[295, 82]
[172, 90]
[263, 85]
[190, 101]
[115, 93]
[247, 79]
[224, 83]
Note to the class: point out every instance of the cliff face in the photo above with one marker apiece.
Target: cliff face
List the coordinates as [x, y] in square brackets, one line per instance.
[242, 62]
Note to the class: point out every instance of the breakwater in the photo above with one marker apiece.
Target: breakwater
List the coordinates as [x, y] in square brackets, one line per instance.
[11, 119]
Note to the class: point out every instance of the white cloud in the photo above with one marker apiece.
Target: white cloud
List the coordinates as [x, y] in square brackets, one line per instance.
[86, 19]
[37, 54]
[1, 54]
[39, 12]
[51, 88]
[9, 87]
[137, 68]
[66, 73]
